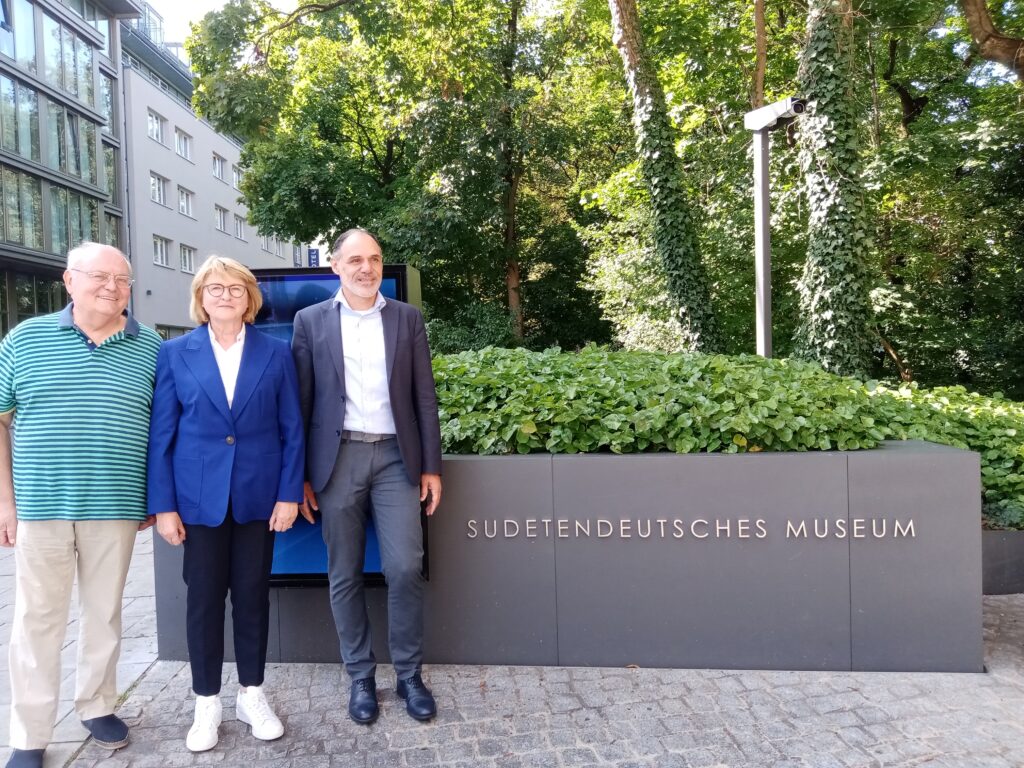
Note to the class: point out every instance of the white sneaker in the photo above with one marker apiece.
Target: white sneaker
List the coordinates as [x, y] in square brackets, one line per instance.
[253, 709]
[203, 733]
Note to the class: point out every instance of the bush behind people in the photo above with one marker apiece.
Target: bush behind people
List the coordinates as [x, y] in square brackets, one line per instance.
[503, 401]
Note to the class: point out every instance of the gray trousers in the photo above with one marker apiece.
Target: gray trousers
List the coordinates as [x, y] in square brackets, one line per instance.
[369, 479]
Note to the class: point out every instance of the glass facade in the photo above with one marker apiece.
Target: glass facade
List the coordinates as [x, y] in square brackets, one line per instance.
[23, 208]
[27, 295]
[19, 118]
[106, 103]
[110, 173]
[112, 230]
[49, 130]
[74, 218]
[19, 42]
[71, 141]
[67, 60]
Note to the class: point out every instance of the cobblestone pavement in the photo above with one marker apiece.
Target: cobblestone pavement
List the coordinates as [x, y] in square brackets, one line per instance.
[507, 717]
[534, 717]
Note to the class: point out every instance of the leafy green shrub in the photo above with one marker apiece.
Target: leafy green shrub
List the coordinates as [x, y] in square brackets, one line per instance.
[500, 401]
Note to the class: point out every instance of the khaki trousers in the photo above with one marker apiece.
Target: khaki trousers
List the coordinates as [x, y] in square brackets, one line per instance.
[49, 554]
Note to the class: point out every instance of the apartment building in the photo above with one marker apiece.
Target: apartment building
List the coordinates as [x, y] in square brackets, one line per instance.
[183, 179]
[61, 145]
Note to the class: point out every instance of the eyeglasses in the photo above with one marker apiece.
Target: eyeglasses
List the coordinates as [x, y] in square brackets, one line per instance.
[217, 290]
[102, 278]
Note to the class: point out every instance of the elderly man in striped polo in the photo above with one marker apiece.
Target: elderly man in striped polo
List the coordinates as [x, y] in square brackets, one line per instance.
[75, 391]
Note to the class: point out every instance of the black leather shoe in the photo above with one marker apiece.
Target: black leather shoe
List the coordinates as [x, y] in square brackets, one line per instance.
[419, 701]
[362, 701]
[109, 731]
[25, 758]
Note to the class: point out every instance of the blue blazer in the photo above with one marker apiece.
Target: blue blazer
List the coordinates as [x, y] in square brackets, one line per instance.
[202, 453]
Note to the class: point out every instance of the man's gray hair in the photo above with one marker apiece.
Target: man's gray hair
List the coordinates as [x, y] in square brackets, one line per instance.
[87, 249]
[340, 241]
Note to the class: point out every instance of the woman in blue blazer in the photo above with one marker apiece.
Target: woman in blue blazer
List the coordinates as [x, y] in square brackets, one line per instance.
[225, 472]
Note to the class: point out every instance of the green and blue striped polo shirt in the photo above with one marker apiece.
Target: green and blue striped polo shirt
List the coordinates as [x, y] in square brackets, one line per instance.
[81, 418]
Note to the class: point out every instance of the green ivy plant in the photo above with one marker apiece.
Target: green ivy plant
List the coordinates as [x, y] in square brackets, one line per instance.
[508, 401]
[674, 227]
[834, 287]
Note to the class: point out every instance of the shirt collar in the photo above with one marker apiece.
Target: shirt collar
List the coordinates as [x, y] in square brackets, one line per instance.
[66, 319]
[239, 338]
[378, 304]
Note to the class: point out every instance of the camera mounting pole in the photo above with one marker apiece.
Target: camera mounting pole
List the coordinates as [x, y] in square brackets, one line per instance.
[762, 122]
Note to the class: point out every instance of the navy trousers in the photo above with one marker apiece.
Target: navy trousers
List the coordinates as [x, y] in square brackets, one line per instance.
[227, 558]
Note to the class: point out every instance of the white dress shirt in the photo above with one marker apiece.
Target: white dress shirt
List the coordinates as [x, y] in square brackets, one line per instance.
[228, 361]
[367, 401]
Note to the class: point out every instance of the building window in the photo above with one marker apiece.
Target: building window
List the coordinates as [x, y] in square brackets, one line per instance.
[67, 60]
[296, 255]
[106, 104]
[95, 17]
[171, 331]
[110, 173]
[31, 295]
[236, 177]
[74, 218]
[111, 230]
[155, 126]
[22, 197]
[222, 218]
[87, 11]
[188, 258]
[157, 189]
[161, 247]
[219, 164]
[18, 35]
[185, 199]
[19, 119]
[265, 243]
[278, 249]
[71, 143]
[183, 143]
[239, 227]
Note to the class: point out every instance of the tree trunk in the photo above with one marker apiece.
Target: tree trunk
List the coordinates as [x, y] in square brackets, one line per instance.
[964, 280]
[513, 283]
[761, 55]
[675, 234]
[834, 286]
[992, 44]
[876, 106]
[511, 175]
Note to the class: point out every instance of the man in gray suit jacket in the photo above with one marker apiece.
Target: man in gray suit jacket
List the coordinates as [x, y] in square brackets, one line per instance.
[373, 447]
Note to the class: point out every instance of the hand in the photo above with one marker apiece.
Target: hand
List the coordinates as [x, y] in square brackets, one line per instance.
[8, 524]
[149, 522]
[430, 487]
[309, 505]
[283, 516]
[170, 527]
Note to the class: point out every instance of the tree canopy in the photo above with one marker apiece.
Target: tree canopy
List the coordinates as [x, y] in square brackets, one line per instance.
[492, 144]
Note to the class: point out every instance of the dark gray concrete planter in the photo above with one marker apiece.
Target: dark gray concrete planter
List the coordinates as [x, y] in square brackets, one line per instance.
[1002, 555]
[868, 560]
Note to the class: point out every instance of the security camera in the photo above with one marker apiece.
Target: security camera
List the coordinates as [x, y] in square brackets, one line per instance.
[774, 115]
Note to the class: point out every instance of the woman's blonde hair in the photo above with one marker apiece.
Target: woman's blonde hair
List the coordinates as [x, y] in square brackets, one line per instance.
[231, 268]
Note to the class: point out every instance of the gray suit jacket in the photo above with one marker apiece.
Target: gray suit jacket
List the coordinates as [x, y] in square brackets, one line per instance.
[320, 364]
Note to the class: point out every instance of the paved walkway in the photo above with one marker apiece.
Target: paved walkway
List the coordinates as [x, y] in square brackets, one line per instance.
[535, 717]
[138, 649]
